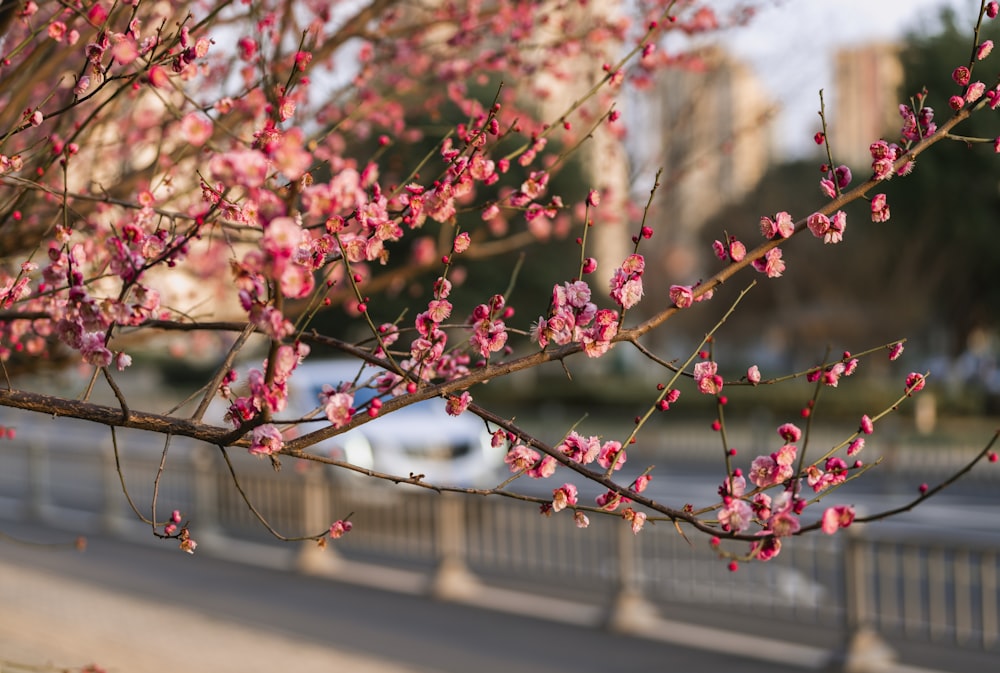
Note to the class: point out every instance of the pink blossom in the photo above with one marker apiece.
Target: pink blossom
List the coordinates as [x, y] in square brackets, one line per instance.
[340, 528]
[593, 198]
[766, 549]
[992, 8]
[984, 49]
[681, 295]
[611, 453]
[784, 522]
[974, 92]
[895, 350]
[867, 427]
[771, 264]
[737, 250]
[789, 432]
[521, 458]
[767, 471]
[880, 208]
[956, 102]
[626, 284]
[265, 440]
[544, 469]
[337, 406]
[641, 482]
[580, 519]
[187, 544]
[818, 224]
[843, 175]
[720, 250]
[914, 382]
[782, 225]
[565, 495]
[753, 374]
[837, 517]
[609, 501]
[456, 405]
[57, 30]
[835, 234]
[961, 75]
[736, 515]
[856, 446]
[637, 519]
[827, 187]
[705, 377]
[580, 449]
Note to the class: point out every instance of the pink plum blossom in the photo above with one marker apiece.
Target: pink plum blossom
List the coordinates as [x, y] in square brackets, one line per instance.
[564, 496]
[455, 405]
[636, 519]
[867, 427]
[771, 264]
[611, 454]
[880, 208]
[521, 458]
[789, 432]
[736, 515]
[681, 295]
[818, 224]
[837, 517]
[265, 440]
[915, 381]
[337, 406]
[782, 225]
[544, 469]
[340, 528]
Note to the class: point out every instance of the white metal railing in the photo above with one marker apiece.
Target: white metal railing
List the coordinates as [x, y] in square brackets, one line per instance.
[927, 589]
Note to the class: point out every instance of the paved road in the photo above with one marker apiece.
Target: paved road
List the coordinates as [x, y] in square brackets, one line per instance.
[366, 628]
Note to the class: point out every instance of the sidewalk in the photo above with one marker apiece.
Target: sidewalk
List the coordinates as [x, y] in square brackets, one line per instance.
[49, 620]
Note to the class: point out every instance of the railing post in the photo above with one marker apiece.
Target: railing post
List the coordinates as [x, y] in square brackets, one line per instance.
[37, 505]
[863, 649]
[452, 579]
[313, 559]
[630, 611]
[112, 521]
[205, 494]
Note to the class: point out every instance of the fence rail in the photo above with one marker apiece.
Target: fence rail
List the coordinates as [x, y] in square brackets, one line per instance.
[920, 589]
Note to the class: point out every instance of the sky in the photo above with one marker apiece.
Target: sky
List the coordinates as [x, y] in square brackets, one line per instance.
[790, 46]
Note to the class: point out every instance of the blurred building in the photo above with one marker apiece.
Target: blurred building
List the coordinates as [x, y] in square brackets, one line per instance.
[866, 105]
[709, 131]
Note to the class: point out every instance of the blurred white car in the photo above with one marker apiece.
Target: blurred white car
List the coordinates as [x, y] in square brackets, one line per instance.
[419, 439]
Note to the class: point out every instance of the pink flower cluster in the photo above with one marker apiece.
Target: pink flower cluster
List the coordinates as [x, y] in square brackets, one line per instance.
[884, 157]
[916, 125]
[766, 471]
[489, 333]
[707, 379]
[831, 375]
[520, 458]
[626, 283]
[834, 472]
[830, 230]
[574, 318]
[264, 396]
[733, 250]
